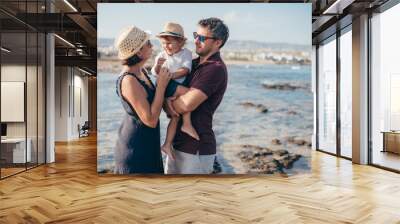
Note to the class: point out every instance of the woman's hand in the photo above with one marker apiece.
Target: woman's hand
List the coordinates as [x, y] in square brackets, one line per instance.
[163, 78]
[160, 61]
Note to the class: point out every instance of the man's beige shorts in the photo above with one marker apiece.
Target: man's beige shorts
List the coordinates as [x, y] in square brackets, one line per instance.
[186, 163]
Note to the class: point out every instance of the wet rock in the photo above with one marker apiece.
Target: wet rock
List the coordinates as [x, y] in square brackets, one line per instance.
[286, 161]
[271, 167]
[281, 157]
[264, 110]
[248, 104]
[246, 155]
[291, 139]
[103, 171]
[261, 108]
[276, 141]
[252, 147]
[268, 166]
[255, 163]
[280, 152]
[299, 142]
[265, 151]
[217, 166]
[264, 160]
[244, 136]
[254, 151]
[282, 86]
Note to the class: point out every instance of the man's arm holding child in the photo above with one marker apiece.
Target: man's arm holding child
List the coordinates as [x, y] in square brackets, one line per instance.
[204, 86]
[189, 101]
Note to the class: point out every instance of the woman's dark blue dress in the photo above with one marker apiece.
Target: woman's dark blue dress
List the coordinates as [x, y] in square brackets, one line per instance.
[138, 146]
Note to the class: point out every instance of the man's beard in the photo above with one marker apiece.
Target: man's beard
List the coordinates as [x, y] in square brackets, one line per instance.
[203, 53]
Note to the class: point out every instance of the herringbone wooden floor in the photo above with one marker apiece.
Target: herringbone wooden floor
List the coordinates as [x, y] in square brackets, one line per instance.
[70, 191]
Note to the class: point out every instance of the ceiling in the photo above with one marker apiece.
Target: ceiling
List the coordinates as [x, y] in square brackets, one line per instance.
[75, 21]
[329, 16]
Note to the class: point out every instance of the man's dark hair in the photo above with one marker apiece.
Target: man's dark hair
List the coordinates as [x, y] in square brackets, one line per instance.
[217, 28]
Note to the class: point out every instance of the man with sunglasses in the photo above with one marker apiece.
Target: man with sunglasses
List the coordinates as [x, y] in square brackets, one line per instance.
[207, 82]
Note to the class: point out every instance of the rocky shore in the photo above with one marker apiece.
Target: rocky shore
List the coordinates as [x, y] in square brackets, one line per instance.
[263, 160]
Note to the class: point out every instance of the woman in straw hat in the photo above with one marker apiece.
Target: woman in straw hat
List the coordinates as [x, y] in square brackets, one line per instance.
[138, 145]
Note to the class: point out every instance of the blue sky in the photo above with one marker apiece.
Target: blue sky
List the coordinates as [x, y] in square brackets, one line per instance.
[283, 23]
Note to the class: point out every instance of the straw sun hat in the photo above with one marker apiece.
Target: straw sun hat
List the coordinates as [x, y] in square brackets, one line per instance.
[172, 29]
[130, 41]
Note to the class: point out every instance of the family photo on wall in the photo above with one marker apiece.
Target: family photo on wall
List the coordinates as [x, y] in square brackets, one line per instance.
[204, 89]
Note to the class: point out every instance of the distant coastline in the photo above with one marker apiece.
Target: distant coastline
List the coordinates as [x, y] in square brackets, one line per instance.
[234, 53]
[113, 65]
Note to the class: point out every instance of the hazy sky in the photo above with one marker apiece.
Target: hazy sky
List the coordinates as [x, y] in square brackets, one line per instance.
[267, 22]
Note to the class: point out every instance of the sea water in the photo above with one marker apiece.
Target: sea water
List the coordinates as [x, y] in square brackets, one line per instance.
[290, 114]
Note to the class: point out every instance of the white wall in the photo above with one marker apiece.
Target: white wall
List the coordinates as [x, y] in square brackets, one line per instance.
[61, 103]
[70, 83]
[81, 82]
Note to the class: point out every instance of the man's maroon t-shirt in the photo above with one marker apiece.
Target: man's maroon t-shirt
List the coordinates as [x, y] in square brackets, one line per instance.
[211, 78]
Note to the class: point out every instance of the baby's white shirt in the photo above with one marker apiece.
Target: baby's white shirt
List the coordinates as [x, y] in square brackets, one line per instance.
[181, 59]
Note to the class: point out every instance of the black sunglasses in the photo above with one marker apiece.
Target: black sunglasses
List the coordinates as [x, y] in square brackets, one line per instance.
[201, 37]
